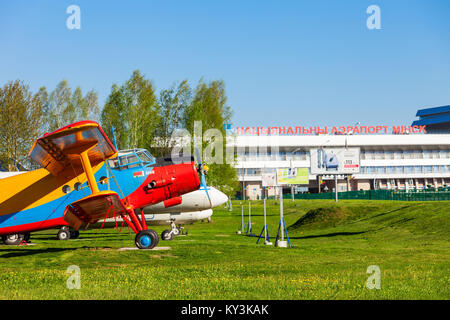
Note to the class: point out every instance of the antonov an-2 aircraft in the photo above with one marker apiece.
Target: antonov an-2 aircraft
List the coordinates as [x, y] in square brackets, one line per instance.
[83, 180]
[193, 206]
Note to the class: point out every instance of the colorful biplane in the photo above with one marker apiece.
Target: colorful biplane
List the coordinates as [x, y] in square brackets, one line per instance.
[83, 180]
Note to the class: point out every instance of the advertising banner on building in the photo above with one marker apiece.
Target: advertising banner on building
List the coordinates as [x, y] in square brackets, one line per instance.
[335, 160]
[292, 176]
[269, 179]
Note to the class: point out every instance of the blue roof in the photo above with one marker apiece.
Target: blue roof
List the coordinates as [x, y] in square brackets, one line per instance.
[432, 111]
[445, 118]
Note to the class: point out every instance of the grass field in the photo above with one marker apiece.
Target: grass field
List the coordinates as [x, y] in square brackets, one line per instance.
[332, 247]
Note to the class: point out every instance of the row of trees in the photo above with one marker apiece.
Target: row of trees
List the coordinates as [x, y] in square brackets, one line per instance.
[24, 116]
[140, 117]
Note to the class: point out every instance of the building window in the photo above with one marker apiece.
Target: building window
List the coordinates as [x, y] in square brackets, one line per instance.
[398, 155]
[409, 169]
[418, 154]
[381, 169]
[379, 155]
[389, 155]
[418, 169]
[444, 154]
[408, 154]
[427, 169]
[369, 155]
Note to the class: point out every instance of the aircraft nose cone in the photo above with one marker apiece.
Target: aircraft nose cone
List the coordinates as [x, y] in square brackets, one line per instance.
[218, 198]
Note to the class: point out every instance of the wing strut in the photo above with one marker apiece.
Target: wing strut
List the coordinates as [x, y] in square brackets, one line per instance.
[89, 173]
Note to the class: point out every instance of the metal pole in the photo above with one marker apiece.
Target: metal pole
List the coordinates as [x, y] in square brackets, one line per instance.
[243, 224]
[249, 218]
[243, 185]
[336, 187]
[265, 221]
[281, 214]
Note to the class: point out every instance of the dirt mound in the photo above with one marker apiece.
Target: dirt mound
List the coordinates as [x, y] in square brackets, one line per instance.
[321, 217]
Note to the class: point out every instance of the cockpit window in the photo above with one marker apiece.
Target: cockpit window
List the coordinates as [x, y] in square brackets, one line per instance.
[131, 159]
[145, 156]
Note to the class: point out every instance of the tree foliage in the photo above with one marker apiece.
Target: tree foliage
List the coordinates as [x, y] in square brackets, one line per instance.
[142, 120]
[20, 120]
[133, 111]
[173, 103]
[26, 116]
[209, 105]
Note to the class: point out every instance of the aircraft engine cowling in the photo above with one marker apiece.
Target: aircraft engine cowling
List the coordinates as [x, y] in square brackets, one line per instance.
[172, 202]
[165, 183]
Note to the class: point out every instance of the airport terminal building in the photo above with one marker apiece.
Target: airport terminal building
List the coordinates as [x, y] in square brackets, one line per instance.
[400, 161]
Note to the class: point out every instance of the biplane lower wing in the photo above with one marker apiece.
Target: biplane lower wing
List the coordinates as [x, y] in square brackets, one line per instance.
[93, 208]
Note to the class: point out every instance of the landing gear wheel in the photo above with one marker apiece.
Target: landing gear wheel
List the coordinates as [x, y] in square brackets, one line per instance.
[167, 235]
[13, 239]
[74, 234]
[63, 234]
[146, 239]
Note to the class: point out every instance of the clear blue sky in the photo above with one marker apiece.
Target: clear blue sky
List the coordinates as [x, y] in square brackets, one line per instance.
[283, 62]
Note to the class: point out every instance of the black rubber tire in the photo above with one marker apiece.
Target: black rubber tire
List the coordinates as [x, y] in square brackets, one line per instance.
[13, 239]
[167, 235]
[74, 234]
[141, 242]
[155, 234]
[27, 237]
[63, 234]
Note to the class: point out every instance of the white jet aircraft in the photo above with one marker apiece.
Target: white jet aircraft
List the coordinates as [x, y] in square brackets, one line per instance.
[194, 206]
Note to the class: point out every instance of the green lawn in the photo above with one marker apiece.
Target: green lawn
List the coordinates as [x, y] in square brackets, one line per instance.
[332, 247]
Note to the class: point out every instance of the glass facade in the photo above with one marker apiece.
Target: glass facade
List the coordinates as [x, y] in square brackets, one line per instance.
[264, 154]
[405, 169]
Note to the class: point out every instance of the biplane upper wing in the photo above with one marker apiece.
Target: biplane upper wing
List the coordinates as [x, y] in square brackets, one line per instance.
[70, 151]
[60, 150]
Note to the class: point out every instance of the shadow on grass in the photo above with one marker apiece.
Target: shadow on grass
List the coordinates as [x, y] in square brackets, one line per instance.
[334, 234]
[90, 236]
[25, 252]
[328, 235]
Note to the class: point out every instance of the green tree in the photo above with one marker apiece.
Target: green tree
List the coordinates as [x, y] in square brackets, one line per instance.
[21, 115]
[60, 110]
[86, 107]
[113, 114]
[209, 105]
[133, 110]
[173, 103]
[64, 107]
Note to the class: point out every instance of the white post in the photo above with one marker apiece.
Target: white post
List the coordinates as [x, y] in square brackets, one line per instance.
[281, 242]
[281, 215]
[242, 221]
[265, 221]
[249, 218]
[336, 187]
